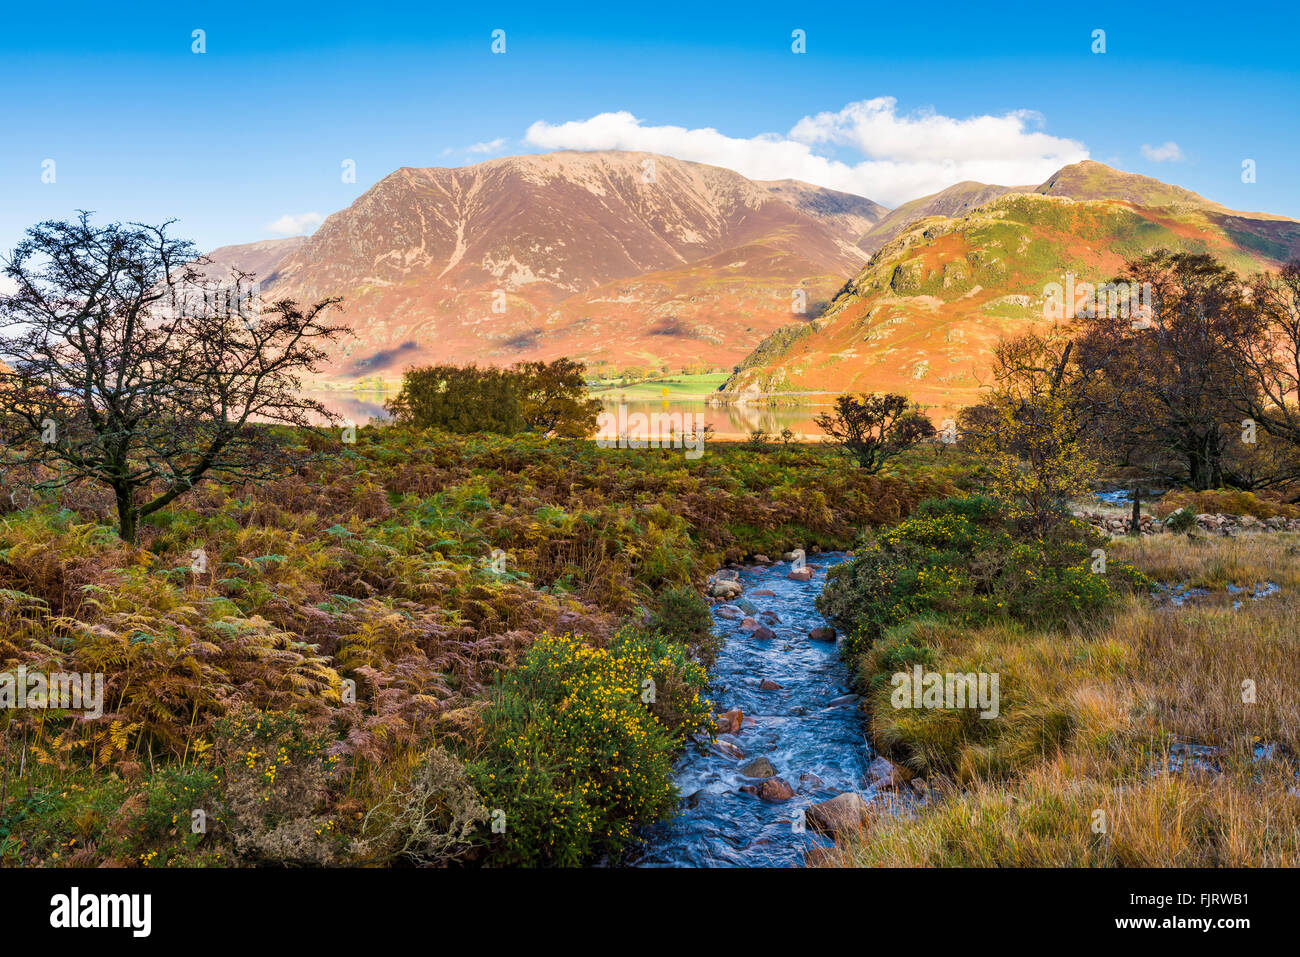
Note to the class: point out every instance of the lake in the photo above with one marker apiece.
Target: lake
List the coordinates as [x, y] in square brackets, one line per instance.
[729, 422]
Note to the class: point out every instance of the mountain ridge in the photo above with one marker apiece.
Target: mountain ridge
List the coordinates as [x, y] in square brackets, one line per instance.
[496, 261]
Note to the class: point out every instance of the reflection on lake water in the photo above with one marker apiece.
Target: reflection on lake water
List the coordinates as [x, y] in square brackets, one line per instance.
[360, 408]
[729, 422]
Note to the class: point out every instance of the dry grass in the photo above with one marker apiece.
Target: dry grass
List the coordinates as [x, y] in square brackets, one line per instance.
[1116, 697]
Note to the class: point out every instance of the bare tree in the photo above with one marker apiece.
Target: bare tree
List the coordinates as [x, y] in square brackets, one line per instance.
[122, 366]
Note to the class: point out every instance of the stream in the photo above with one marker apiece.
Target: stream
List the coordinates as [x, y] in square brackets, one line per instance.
[811, 730]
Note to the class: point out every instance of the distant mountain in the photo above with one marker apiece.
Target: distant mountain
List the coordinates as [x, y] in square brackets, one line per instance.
[258, 259]
[922, 316]
[1092, 180]
[617, 257]
[953, 201]
[847, 214]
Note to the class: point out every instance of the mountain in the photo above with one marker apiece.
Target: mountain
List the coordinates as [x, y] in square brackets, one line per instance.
[847, 214]
[1092, 180]
[922, 316]
[614, 257]
[257, 259]
[953, 201]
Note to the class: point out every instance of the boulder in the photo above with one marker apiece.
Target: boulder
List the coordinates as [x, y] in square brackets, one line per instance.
[843, 700]
[770, 617]
[941, 786]
[810, 781]
[727, 575]
[762, 560]
[822, 857]
[728, 749]
[767, 684]
[759, 768]
[824, 633]
[749, 624]
[842, 814]
[764, 633]
[899, 777]
[725, 589]
[800, 574]
[880, 770]
[748, 607]
[764, 593]
[730, 722]
[730, 612]
[775, 790]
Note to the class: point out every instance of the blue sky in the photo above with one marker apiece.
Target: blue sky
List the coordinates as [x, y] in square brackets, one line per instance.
[253, 132]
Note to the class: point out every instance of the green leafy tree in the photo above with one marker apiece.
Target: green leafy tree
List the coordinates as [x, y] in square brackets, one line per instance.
[872, 429]
[460, 399]
[529, 396]
[553, 397]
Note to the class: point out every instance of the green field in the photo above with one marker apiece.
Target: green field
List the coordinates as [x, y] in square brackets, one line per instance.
[676, 387]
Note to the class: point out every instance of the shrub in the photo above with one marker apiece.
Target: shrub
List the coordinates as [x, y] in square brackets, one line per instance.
[678, 678]
[1224, 501]
[683, 616]
[276, 778]
[957, 558]
[573, 756]
[1183, 520]
[427, 819]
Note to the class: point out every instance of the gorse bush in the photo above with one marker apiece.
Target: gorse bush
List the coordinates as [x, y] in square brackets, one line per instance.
[276, 801]
[371, 569]
[959, 558]
[574, 757]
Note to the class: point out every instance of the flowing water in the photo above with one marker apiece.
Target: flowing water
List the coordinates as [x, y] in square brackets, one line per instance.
[811, 730]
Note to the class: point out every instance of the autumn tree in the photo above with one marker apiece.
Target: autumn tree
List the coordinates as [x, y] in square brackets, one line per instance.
[1266, 352]
[872, 429]
[1163, 387]
[1031, 431]
[121, 365]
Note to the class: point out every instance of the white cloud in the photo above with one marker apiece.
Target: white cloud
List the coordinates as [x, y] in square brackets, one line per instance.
[491, 146]
[290, 225]
[1169, 153]
[902, 156]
